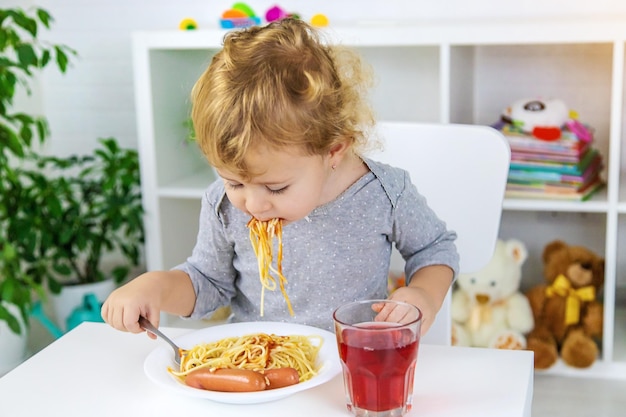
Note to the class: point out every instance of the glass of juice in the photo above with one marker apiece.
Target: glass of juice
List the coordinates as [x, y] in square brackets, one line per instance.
[378, 357]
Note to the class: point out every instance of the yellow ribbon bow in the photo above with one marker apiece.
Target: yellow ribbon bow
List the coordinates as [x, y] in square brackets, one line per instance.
[563, 288]
[479, 314]
[482, 311]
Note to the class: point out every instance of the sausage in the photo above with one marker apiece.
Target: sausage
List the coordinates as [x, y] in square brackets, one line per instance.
[281, 377]
[226, 380]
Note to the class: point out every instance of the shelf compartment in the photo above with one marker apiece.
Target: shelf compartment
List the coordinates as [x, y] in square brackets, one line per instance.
[578, 74]
[585, 229]
[190, 187]
[173, 74]
[179, 229]
[406, 82]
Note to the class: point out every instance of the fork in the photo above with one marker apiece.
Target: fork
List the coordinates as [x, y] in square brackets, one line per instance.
[146, 325]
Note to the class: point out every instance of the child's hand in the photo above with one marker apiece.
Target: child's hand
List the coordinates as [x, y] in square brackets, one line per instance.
[419, 298]
[426, 290]
[395, 313]
[148, 295]
[140, 297]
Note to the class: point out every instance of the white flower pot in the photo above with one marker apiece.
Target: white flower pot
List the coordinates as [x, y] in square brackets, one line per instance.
[12, 346]
[72, 296]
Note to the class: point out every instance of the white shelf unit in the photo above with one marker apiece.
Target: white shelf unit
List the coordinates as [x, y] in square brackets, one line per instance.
[443, 72]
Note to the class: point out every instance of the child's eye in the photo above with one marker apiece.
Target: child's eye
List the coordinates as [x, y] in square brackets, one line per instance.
[279, 191]
[234, 186]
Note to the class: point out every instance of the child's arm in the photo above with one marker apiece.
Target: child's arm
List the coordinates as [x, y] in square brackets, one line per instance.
[148, 295]
[426, 290]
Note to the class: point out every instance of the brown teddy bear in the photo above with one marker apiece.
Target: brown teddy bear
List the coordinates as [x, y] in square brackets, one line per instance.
[567, 313]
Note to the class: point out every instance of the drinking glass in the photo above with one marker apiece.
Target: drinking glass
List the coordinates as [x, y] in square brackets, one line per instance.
[378, 357]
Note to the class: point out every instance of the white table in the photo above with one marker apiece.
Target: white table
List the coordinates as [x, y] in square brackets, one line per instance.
[95, 370]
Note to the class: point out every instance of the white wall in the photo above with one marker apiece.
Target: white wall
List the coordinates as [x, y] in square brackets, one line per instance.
[95, 98]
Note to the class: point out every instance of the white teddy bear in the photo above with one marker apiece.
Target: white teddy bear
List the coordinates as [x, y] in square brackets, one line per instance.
[488, 310]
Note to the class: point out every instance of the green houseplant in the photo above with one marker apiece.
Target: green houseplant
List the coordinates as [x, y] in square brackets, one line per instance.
[61, 218]
[92, 209]
[69, 214]
[89, 222]
[22, 56]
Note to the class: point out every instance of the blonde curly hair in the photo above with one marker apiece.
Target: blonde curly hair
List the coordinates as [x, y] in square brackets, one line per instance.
[278, 86]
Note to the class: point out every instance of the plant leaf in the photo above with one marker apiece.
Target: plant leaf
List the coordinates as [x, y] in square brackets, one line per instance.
[44, 17]
[23, 21]
[26, 56]
[11, 321]
[61, 58]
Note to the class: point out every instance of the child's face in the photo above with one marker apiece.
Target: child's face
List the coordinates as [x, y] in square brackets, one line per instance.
[290, 185]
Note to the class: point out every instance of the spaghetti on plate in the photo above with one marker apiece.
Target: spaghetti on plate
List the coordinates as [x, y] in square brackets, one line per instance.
[256, 352]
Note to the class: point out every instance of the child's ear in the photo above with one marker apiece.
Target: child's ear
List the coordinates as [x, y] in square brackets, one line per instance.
[338, 150]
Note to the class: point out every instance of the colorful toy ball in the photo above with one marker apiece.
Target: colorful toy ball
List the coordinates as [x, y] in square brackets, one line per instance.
[240, 15]
[319, 20]
[188, 24]
[275, 13]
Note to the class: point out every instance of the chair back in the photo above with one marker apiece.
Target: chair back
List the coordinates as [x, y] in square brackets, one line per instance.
[462, 171]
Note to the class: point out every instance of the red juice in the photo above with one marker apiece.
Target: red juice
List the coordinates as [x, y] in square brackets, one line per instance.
[379, 369]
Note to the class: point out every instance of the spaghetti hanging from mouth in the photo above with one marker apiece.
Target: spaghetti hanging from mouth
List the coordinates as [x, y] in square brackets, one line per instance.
[262, 234]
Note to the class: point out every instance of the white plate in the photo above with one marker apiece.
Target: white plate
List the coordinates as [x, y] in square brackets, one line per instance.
[157, 362]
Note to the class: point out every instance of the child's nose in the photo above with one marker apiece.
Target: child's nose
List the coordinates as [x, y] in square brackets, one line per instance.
[257, 204]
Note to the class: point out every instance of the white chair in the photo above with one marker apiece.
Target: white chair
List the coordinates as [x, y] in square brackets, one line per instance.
[462, 171]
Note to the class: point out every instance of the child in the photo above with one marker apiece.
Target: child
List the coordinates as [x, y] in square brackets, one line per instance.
[281, 117]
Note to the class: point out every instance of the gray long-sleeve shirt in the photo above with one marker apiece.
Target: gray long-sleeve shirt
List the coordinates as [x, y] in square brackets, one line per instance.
[339, 253]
